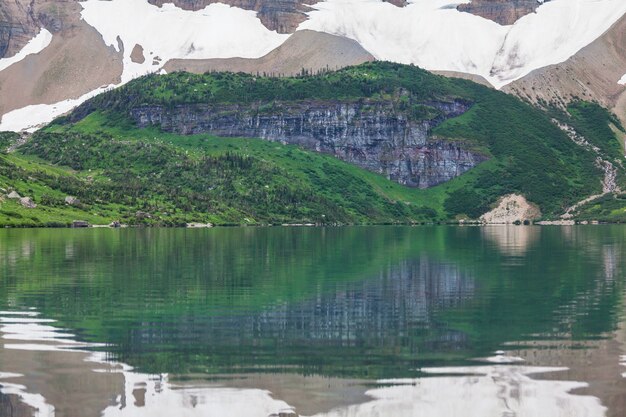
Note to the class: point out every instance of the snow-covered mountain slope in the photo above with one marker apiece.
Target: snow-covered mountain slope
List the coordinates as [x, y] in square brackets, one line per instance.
[217, 31]
[142, 37]
[436, 36]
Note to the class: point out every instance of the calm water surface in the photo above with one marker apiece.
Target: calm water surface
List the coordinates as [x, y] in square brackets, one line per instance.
[345, 322]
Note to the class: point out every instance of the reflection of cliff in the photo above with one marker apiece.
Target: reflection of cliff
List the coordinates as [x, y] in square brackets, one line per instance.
[388, 310]
[401, 298]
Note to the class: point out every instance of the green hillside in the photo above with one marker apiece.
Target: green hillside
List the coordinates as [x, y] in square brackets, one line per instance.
[121, 172]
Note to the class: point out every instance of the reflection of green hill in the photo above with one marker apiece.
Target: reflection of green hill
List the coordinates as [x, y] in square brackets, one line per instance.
[354, 301]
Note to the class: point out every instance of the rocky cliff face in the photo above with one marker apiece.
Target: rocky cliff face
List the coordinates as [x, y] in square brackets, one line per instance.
[21, 20]
[372, 135]
[504, 12]
[283, 16]
[17, 26]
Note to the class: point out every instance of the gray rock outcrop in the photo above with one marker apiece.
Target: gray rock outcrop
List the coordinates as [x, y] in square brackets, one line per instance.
[371, 134]
[504, 12]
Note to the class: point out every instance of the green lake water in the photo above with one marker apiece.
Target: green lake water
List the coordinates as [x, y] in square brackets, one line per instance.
[346, 322]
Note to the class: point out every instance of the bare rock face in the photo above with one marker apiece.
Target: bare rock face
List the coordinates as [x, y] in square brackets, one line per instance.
[511, 209]
[370, 134]
[72, 201]
[504, 12]
[17, 26]
[76, 61]
[283, 16]
[21, 20]
[137, 55]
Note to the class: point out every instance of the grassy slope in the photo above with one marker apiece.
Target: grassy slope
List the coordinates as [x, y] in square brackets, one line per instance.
[599, 128]
[354, 195]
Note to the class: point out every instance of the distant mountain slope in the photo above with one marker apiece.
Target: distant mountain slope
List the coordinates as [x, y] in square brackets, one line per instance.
[592, 74]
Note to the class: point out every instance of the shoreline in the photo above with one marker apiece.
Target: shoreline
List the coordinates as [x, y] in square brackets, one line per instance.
[543, 223]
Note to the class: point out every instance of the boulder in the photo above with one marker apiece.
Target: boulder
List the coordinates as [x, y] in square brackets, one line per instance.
[14, 195]
[27, 202]
[143, 215]
[72, 201]
[80, 224]
[199, 225]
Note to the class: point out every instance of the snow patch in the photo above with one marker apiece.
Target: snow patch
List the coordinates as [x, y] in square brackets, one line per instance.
[622, 80]
[434, 35]
[34, 46]
[168, 32]
[30, 118]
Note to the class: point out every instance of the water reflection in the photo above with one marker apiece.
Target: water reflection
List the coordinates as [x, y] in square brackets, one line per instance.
[476, 391]
[381, 308]
[333, 322]
[512, 241]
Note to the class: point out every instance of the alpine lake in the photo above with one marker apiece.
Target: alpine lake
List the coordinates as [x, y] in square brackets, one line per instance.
[441, 321]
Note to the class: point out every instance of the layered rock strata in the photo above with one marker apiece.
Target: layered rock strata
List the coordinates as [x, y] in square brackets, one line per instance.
[369, 134]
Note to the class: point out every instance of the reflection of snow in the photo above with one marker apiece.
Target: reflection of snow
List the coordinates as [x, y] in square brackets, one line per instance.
[143, 395]
[156, 397]
[502, 358]
[488, 391]
[482, 391]
[36, 401]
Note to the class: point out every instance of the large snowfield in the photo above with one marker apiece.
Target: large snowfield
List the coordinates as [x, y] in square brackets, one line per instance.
[434, 35]
[429, 33]
[218, 31]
